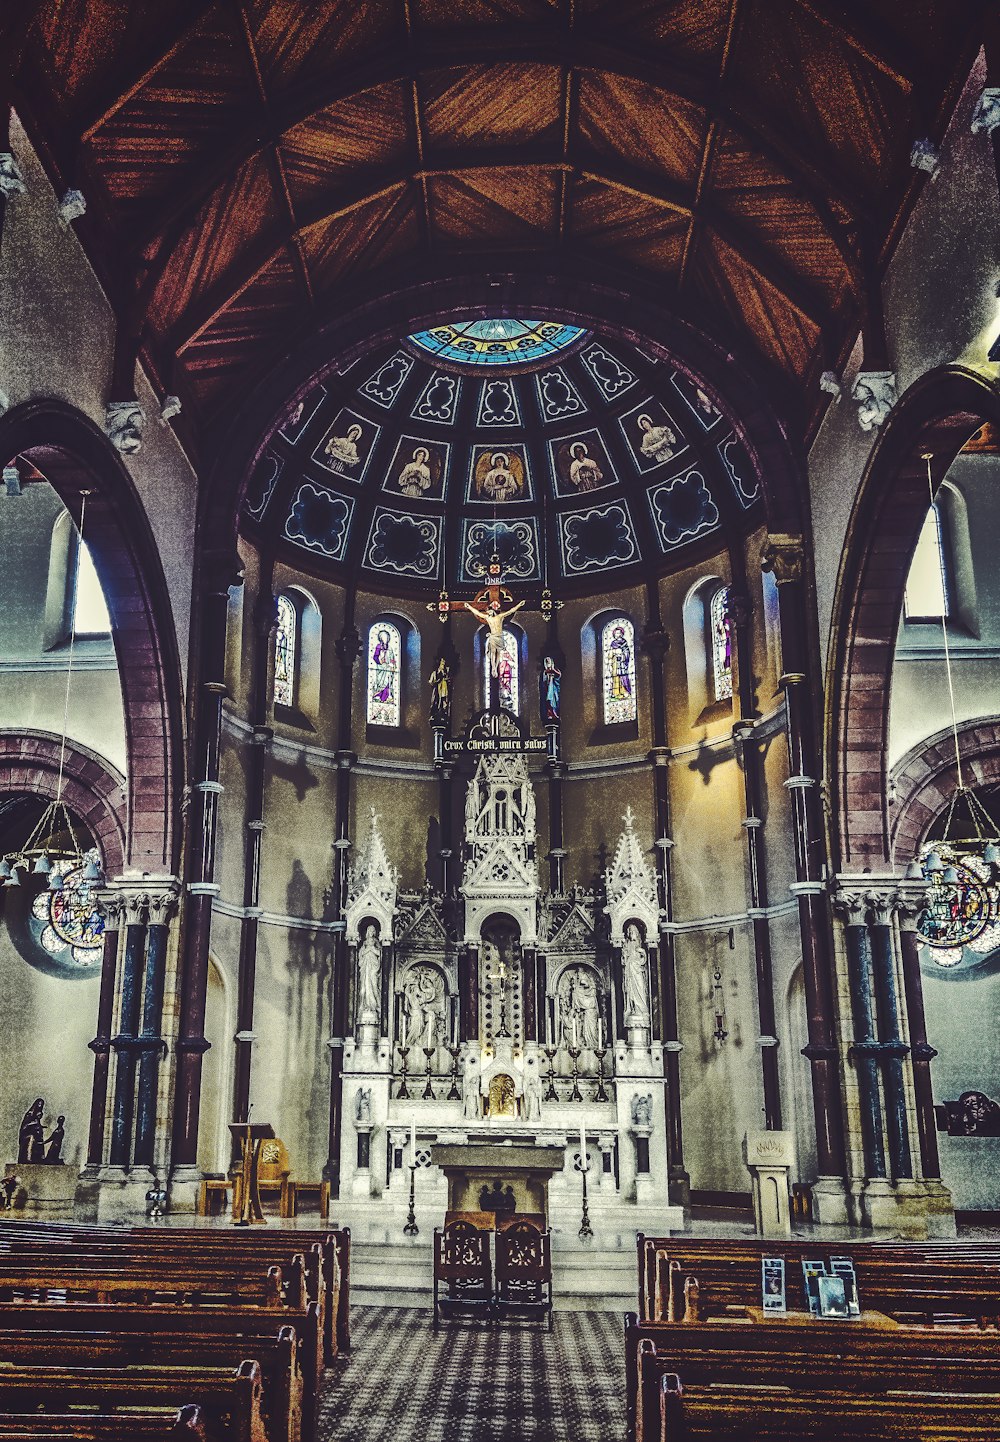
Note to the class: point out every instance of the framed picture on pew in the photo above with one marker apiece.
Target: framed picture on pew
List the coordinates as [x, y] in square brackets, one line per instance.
[832, 1296]
[773, 1286]
[811, 1273]
[844, 1267]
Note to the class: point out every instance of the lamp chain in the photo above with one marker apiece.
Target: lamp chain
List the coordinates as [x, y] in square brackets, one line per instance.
[72, 644]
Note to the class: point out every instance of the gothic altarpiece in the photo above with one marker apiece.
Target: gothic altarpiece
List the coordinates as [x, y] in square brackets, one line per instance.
[504, 1017]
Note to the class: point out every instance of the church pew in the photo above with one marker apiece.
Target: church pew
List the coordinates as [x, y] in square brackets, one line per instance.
[274, 1245]
[230, 1400]
[832, 1355]
[245, 1326]
[101, 1278]
[739, 1414]
[157, 1426]
[277, 1355]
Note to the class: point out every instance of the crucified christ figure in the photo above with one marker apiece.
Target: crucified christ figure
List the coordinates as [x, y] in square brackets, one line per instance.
[493, 619]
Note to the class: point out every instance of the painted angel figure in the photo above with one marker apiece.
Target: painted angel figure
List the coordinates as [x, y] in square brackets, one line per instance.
[658, 442]
[415, 477]
[584, 472]
[493, 618]
[343, 450]
[500, 482]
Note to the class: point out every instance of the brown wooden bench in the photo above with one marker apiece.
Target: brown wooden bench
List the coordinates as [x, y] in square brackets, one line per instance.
[242, 1327]
[156, 1426]
[277, 1355]
[827, 1355]
[230, 1401]
[738, 1414]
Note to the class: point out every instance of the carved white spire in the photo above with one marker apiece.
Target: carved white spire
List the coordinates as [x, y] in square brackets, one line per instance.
[500, 872]
[372, 884]
[631, 885]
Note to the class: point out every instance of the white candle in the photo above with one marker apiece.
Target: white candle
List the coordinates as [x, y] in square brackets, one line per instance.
[583, 1150]
[413, 1144]
[576, 1034]
[548, 1020]
[600, 1032]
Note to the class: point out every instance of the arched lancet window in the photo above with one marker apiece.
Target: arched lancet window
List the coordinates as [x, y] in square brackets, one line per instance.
[384, 668]
[90, 610]
[721, 629]
[510, 675]
[618, 670]
[926, 594]
[286, 652]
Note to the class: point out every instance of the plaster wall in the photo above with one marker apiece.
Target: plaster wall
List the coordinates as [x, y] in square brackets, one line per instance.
[57, 340]
[940, 304]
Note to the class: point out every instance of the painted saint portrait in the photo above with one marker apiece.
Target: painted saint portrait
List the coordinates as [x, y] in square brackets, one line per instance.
[347, 445]
[653, 436]
[417, 470]
[499, 474]
[581, 464]
[301, 414]
[698, 399]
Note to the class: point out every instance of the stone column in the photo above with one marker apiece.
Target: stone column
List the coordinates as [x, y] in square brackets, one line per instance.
[784, 558]
[753, 791]
[202, 887]
[910, 900]
[468, 993]
[126, 1042]
[893, 1048]
[112, 908]
[851, 906]
[557, 852]
[265, 617]
[160, 905]
[655, 642]
[348, 651]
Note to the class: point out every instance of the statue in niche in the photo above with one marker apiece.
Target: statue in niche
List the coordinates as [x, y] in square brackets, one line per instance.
[440, 684]
[551, 687]
[532, 1100]
[423, 1003]
[363, 1107]
[370, 976]
[30, 1137]
[635, 976]
[642, 1112]
[54, 1144]
[470, 1089]
[579, 1004]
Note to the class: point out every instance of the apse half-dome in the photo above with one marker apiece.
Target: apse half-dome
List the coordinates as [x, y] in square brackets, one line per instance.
[571, 457]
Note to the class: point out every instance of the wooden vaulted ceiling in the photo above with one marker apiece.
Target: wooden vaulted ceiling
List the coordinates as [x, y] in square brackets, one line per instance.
[252, 169]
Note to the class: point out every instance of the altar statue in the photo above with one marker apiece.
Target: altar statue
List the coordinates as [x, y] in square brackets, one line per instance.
[580, 1003]
[424, 1009]
[440, 684]
[369, 976]
[30, 1137]
[635, 977]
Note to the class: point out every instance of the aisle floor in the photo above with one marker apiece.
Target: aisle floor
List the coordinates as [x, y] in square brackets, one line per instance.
[469, 1383]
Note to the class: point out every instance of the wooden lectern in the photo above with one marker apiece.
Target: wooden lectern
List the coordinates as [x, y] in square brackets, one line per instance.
[247, 1211]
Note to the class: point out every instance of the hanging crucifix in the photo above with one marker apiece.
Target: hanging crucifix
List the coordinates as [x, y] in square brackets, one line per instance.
[493, 605]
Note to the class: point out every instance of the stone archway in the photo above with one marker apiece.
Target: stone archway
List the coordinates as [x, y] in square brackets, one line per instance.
[96, 793]
[74, 456]
[923, 781]
[938, 415]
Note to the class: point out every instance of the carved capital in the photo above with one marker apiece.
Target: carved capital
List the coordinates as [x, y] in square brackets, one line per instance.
[265, 613]
[911, 898]
[783, 557]
[123, 423]
[986, 116]
[739, 607]
[11, 179]
[875, 395]
[655, 642]
[881, 903]
[850, 903]
[348, 647]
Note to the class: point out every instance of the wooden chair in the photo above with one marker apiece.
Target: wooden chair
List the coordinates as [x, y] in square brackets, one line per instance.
[462, 1265]
[320, 1190]
[524, 1272]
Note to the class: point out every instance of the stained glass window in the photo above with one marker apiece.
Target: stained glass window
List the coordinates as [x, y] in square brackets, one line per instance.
[497, 342]
[67, 923]
[90, 610]
[510, 684]
[618, 667]
[925, 597]
[960, 920]
[286, 652]
[722, 644]
[384, 652]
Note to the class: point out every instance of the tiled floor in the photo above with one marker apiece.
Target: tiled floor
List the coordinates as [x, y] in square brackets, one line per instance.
[468, 1383]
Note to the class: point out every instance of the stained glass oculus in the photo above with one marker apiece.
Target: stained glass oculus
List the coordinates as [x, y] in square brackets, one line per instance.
[960, 921]
[497, 342]
[67, 923]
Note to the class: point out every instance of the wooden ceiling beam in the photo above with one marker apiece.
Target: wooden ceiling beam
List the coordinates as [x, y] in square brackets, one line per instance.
[589, 51]
[873, 42]
[124, 83]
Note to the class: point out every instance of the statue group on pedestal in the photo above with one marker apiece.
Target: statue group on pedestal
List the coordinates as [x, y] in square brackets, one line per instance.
[32, 1144]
